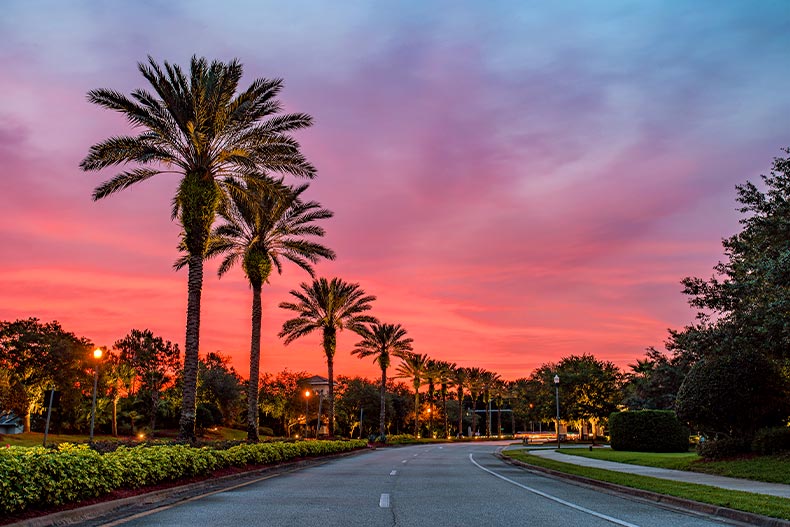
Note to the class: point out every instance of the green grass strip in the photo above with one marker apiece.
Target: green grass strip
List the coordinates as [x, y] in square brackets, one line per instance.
[773, 506]
[770, 469]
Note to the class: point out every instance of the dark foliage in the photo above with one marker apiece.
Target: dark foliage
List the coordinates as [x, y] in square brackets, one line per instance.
[648, 431]
[772, 440]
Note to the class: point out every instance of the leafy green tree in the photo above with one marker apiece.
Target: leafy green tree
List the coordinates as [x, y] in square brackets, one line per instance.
[221, 386]
[589, 389]
[196, 126]
[653, 382]
[732, 394]
[36, 356]
[155, 362]
[357, 396]
[330, 306]
[261, 228]
[381, 341]
[281, 397]
[749, 292]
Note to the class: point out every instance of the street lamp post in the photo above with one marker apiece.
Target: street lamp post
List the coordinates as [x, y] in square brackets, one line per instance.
[557, 397]
[306, 410]
[97, 353]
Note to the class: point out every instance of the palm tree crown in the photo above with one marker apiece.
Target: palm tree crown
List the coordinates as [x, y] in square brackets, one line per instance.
[382, 341]
[263, 225]
[330, 306]
[197, 127]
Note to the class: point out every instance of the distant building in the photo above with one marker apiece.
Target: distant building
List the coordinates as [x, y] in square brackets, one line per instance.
[319, 384]
[10, 423]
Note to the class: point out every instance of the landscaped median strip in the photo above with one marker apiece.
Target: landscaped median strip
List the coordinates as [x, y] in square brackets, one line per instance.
[755, 509]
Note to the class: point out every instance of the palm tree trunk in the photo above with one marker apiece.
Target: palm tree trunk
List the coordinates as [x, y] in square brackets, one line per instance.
[474, 414]
[460, 412]
[191, 348]
[255, 364]
[444, 409]
[383, 410]
[115, 416]
[330, 344]
[416, 412]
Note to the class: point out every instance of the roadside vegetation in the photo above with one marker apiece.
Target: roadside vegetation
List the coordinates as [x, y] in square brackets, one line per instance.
[775, 507]
[772, 469]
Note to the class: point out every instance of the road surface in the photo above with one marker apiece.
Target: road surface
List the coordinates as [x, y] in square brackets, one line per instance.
[425, 485]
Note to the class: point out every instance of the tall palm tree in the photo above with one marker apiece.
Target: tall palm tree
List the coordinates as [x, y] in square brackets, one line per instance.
[475, 384]
[382, 341]
[413, 367]
[197, 127]
[489, 380]
[261, 228]
[459, 379]
[445, 371]
[330, 306]
[431, 375]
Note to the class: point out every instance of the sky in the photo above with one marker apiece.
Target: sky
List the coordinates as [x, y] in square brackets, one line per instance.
[515, 182]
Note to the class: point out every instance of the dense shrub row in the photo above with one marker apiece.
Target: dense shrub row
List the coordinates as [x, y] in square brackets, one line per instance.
[648, 431]
[39, 477]
[772, 440]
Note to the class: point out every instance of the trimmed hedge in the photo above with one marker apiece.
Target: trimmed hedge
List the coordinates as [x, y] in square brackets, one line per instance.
[648, 431]
[774, 440]
[40, 477]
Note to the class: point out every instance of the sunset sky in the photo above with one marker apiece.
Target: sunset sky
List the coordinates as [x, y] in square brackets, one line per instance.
[514, 181]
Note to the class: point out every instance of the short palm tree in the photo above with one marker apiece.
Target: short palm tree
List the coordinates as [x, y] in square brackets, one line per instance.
[459, 379]
[445, 377]
[197, 127]
[330, 306]
[489, 380]
[382, 341]
[413, 367]
[475, 385]
[262, 226]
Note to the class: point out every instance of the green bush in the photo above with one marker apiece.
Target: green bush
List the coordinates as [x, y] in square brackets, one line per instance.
[721, 448]
[42, 477]
[769, 441]
[648, 431]
[733, 394]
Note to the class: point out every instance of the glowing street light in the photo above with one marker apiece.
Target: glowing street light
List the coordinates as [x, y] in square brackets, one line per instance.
[97, 354]
[306, 410]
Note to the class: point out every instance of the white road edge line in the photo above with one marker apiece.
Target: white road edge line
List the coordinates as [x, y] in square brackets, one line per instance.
[394, 473]
[554, 498]
[384, 501]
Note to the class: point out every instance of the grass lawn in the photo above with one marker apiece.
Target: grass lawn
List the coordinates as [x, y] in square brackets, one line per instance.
[773, 469]
[774, 506]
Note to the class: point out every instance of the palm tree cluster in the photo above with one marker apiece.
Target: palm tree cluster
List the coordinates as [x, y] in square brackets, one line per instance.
[230, 150]
[223, 146]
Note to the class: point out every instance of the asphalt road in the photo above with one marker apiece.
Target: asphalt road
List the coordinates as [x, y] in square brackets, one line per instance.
[436, 485]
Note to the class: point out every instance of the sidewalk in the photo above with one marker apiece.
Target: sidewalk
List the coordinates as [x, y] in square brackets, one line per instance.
[746, 485]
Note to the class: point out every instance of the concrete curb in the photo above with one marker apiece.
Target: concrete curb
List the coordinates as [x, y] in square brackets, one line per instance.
[158, 498]
[682, 503]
